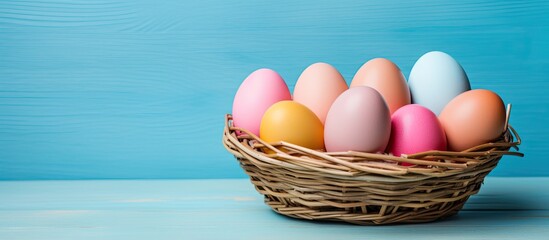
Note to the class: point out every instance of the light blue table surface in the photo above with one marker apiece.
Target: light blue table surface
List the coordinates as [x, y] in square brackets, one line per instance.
[506, 208]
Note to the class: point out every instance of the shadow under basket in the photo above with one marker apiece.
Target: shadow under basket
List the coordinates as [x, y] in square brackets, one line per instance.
[364, 188]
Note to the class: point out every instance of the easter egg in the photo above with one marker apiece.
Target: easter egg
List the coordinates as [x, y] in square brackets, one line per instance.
[359, 120]
[292, 122]
[414, 129]
[317, 88]
[385, 77]
[472, 118]
[436, 78]
[260, 90]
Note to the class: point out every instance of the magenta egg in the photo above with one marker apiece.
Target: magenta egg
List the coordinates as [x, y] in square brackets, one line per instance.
[414, 129]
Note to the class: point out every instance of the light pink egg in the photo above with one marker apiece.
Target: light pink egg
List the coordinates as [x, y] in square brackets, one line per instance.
[359, 120]
[415, 129]
[260, 90]
[318, 87]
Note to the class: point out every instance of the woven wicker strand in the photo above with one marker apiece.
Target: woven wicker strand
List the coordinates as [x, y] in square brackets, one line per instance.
[365, 188]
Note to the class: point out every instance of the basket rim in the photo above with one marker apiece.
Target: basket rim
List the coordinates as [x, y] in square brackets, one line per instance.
[377, 166]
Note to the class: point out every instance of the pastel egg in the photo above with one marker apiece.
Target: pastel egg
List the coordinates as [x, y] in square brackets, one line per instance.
[359, 120]
[414, 129]
[292, 122]
[385, 77]
[436, 78]
[260, 90]
[472, 118]
[317, 88]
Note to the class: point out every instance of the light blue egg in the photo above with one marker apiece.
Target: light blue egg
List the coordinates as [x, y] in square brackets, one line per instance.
[436, 78]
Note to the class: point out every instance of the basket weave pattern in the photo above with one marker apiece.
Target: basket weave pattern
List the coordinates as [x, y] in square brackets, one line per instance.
[364, 188]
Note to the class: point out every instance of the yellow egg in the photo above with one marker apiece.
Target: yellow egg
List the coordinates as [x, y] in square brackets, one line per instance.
[292, 122]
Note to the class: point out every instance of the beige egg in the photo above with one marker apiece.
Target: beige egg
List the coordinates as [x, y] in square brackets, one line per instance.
[359, 120]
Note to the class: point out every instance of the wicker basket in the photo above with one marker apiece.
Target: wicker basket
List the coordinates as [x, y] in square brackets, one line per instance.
[364, 188]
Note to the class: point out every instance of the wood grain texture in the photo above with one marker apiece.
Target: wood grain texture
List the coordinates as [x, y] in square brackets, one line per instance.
[506, 208]
[138, 89]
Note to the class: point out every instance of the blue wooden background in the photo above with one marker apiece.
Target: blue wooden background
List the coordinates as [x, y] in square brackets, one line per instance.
[93, 89]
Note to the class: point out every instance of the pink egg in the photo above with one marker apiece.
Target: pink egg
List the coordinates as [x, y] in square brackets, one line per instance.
[414, 129]
[260, 90]
[358, 120]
